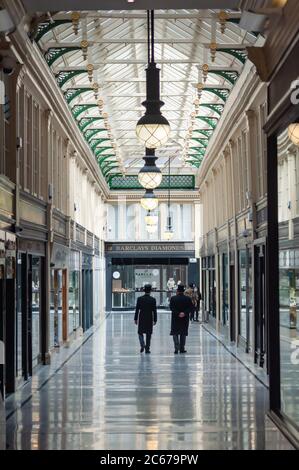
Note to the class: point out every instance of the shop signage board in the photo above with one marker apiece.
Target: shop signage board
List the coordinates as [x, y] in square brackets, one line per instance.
[149, 247]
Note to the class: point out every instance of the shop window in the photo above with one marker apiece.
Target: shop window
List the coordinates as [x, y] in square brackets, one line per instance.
[36, 307]
[288, 276]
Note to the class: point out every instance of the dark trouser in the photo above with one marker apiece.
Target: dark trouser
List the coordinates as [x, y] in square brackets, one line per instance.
[196, 313]
[148, 341]
[179, 342]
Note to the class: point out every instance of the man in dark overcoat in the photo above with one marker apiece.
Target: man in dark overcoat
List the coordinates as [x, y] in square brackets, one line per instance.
[181, 307]
[145, 318]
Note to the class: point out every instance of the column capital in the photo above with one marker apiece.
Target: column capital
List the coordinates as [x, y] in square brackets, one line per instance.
[250, 114]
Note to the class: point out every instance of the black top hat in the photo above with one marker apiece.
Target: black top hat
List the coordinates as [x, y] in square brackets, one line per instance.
[147, 288]
[181, 288]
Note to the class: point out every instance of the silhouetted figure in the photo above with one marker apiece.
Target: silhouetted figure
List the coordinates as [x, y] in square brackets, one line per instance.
[145, 318]
[181, 307]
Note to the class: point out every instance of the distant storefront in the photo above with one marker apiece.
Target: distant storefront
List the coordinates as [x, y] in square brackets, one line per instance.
[163, 265]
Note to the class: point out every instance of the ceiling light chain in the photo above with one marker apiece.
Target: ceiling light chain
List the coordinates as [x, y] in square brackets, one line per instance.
[153, 128]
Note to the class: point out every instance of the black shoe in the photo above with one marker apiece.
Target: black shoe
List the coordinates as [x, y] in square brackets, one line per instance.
[141, 350]
[182, 351]
[176, 351]
[147, 351]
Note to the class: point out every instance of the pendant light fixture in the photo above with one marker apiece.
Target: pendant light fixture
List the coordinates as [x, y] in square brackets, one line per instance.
[151, 218]
[293, 132]
[151, 228]
[150, 175]
[168, 234]
[149, 202]
[152, 129]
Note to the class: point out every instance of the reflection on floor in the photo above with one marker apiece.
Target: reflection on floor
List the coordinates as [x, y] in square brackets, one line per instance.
[109, 396]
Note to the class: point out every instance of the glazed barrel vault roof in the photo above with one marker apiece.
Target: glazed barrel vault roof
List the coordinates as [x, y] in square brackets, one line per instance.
[108, 49]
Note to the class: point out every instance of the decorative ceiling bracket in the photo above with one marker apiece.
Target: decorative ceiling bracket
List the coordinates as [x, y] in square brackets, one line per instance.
[211, 121]
[53, 53]
[239, 54]
[217, 108]
[81, 108]
[220, 92]
[72, 93]
[64, 76]
[46, 26]
[84, 122]
[230, 76]
[90, 133]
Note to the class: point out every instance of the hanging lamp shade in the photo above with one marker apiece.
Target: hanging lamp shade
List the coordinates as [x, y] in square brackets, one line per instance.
[151, 228]
[168, 233]
[151, 218]
[293, 132]
[150, 175]
[152, 129]
[149, 202]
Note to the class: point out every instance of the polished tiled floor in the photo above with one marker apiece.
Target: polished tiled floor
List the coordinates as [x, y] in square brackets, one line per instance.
[109, 396]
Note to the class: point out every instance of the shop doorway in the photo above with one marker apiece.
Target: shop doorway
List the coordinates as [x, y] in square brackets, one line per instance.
[260, 348]
[29, 309]
[58, 307]
[87, 299]
[232, 301]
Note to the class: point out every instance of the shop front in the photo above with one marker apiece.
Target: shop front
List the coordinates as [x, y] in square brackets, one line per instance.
[209, 288]
[163, 265]
[30, 324]
[59, 323]
[7, 311]
[282, 258]
[87, 290]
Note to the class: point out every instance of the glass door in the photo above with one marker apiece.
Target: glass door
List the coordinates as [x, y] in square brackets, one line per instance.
[56, 300]
[260, 307]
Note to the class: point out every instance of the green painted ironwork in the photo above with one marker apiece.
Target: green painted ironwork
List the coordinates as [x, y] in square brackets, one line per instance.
[217, 108]
[64, 76]
[178, 182]
[220, 92]
[81, 108]
[90, 133]
[72, 93]
[53, 53]
[95, 142]
[193, 163]
[211, 121]
[84, 122]
[239, 54]
[46, 26]
[230, 75]
[99, 150]
[205, 132]
[108, 169]
[204, 145]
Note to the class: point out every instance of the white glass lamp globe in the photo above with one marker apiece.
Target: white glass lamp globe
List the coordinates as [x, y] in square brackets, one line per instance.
[149, 202]
[151, 228]
[153, 135]
[168, 235]
[151, 219]
[150, 180]
[293, 132]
